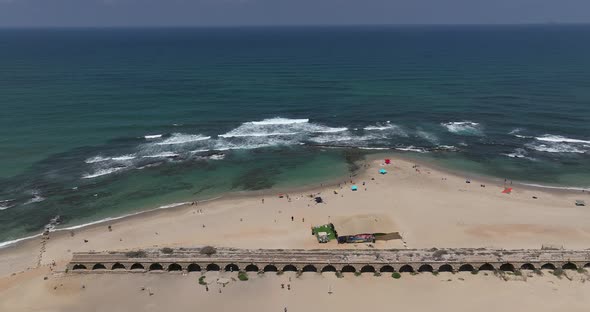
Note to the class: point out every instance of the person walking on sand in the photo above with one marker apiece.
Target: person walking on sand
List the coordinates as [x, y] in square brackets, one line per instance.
[263, 200]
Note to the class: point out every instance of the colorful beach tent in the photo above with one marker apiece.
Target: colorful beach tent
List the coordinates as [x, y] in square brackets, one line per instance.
[388, 161]
[354, 188]
[382, 171]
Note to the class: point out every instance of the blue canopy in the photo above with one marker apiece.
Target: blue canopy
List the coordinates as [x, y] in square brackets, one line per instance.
[354, 188]
[382, 171]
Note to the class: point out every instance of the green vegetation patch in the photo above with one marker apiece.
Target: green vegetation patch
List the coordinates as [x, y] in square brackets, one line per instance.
[242, 276]
[396, 275]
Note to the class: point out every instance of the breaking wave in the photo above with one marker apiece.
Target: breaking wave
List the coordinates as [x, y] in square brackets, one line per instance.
[279, 121]
[519, 153]
[463, 127]
[152, 136]
[96, 159]
[37, 198]
[102, 172]
[181, 138]
[560, 139]
[555, 148]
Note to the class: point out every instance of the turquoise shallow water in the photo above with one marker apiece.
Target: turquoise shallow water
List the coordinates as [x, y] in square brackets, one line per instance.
[99, 123]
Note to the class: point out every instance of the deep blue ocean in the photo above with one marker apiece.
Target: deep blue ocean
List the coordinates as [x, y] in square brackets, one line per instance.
[97, 123]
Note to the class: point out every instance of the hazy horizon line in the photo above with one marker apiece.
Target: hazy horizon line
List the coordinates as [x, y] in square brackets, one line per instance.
[291, 25]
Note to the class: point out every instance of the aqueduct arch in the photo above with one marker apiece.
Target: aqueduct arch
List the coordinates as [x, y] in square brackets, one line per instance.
[329, 268]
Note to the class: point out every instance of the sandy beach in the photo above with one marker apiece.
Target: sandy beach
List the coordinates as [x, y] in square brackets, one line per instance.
[429, 207]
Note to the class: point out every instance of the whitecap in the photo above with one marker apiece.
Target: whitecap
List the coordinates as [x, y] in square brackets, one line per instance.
[161, 155]
[260, 134]
[463, 127]
[518, 153]
[102, 172]
[37, 198]
[96, 159]
[124, 157]
[217, 157]
[555, 148]
[152, 136]
[279, 121]
[181, 138]
[560, 139]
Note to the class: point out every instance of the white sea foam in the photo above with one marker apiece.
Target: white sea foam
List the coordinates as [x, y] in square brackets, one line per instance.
[279, 121]
[161, 155]
[427, 136]
[37, 198]
[124, 157]
[152, 136]
[181, 138]
[96, 159]
[102, 172]
[217, 157]
[555, 148]
[560, 139]
[380, 126]
[517, 133]
[374, 148]
[12, 242]
[260, 134]
[200, 151]
[519, 153]
[463, 127]
[412, 149]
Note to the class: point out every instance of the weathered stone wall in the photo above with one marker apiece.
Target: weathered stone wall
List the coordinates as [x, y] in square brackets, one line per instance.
[365, 261]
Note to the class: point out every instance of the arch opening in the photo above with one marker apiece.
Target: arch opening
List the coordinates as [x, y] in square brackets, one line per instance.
[368, 269]
[212, 267]
[252, 268]
[425, 268]
[79, 267]
[569, 266]
[99, 266]
[406, 269]
[348, 269]
[445, 268]
[289, 268]
[329, 268]
[156, 267]
[386, 268]
[466, 268]
[507, 267]
[137, 266]
[270, 268]
[309, 268]
[117, 266]
[587, 265]
[486, 267]
[548, 266]
[174, 267]
[527, 266]
[232, 268]
[193, 267]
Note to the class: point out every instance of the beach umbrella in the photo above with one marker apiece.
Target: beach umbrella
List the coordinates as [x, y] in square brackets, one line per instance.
[382, 171]
[354, 188]
[388, 161]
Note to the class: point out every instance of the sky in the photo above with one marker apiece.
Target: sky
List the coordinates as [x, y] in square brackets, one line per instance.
[138, 13]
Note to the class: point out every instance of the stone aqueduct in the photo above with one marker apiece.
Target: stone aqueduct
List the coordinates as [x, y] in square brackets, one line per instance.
[344, 261]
